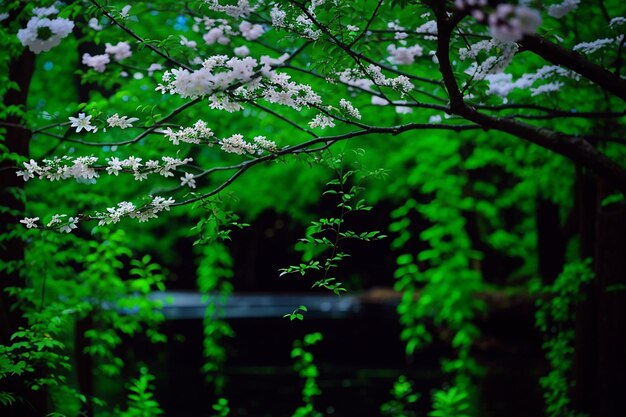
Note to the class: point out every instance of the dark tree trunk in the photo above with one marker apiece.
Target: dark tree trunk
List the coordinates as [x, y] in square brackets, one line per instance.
[84, 364]
[585, 353]
[610, 269]
[32, 403]
[550, 241]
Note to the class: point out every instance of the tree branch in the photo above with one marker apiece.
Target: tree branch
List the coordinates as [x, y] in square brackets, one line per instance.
[558, 55]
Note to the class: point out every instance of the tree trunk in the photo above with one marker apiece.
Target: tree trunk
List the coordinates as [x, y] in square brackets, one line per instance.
[585, 354]
[32, 403]
[550, 241]
[610, 269]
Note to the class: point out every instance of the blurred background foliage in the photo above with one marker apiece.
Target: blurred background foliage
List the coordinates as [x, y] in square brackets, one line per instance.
[466, 215]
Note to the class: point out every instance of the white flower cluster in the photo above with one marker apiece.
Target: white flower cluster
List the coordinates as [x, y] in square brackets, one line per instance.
[404, 55]
[355, 78]
[153, 68]
[242, 51]
[45, 11]
[42, 33]
[94, 23]
[217, 73]
[122, 122]
[399, 31]
[302, 24]
[218, 31]
[322, 121]
[119, 52]
[83, 168]
[429, 27]
[141, 171]
[67, 227]
[250, 31]
[142, 214]
[278, 17]
[617, 21]
[493, 64]
[196, 134]
[594, 46]
[30, 222]
[254, 79]
[502, 84]
[350, 109]
[475, 7]
[80, 168]
[241, 9]
[57, 222]
[97, 62]
[507, 23]
[237, 145]
[510, 23]
[188, 180]
[201, 133]
[563, 8]
[401, 83]
[279, 89]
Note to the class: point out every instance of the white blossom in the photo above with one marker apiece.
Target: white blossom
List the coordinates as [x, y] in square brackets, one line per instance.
[594, 46]
[237, 145]
[188, 180]
[241, 9]
[563, 8]
[82, 122]
[196, 134]
[154, 67]
[30, 222]
[119, 51]
[278, 16]
[95, 24]
[264, 144]
[509, 23]
[160, 204]
[97, 62]
[43, 34]
[434, 119]
[546, 88]
[115, 166]
[350, 109]
[70, 225]
[404, 55]
[187, 43]
[121, 122]
[250, 31]
[124, 12]
[617, 21]
[45, 11]
[322, 121]
[242, 51]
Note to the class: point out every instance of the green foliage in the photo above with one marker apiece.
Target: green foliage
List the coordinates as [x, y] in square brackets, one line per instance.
[297, 313]
[141, 402]
[308, 372]
[403, 400]
[325, 236]
[221, 408]
[213, 276]
[452, 402]
[555, 319]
